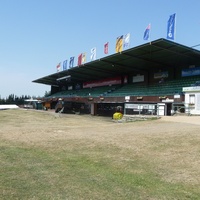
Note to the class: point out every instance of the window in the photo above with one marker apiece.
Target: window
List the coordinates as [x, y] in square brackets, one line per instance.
[191, 99]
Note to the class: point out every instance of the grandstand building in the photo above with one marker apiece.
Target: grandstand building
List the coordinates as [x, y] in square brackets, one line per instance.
[158, 78]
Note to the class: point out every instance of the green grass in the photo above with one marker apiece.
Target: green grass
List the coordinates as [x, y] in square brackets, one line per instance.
[98, 173]
[81, 167]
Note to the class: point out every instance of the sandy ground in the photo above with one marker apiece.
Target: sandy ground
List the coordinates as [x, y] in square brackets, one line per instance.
[182, 119]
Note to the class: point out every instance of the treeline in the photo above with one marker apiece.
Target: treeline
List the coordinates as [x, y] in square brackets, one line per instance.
[14, 99]
[18, 100]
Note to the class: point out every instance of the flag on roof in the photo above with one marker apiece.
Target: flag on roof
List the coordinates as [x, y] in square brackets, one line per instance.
[58, 67]
[71, 62]
[119, 44]
[171, 27]
[93, 54]
[83, 58]
[127, 40]
[106, 48]
[65, 65]
[80, 59]
[147, 32]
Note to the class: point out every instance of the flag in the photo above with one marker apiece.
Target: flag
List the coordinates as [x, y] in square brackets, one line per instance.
[71, 62]
[83, 58]
[93, 54]
[58, 67]
[119, 44]
[80, 59]
[106, 48]
[171, 27]
[147, 32]
[65, 65]
[127, 40]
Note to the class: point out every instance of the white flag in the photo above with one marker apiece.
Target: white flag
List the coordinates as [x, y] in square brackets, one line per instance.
[93, 54]
[58, 67]
[127, 40]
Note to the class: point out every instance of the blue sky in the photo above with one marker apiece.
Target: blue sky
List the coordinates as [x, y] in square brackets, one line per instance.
[38, 34]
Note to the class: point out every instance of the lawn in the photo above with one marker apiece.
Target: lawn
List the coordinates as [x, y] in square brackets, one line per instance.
[51, 156]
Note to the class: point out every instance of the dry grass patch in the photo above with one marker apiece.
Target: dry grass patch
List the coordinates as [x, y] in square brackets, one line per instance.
[50, 156]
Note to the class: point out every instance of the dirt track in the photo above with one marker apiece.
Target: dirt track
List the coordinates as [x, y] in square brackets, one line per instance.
[182, 119]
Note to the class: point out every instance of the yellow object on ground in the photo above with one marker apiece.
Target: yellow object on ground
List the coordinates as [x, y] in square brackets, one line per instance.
[117, 115]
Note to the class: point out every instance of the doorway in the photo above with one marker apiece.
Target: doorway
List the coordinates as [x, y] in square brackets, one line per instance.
[169, 108]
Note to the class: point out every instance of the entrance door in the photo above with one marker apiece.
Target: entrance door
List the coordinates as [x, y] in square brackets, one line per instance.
[169, 108]
[161, 109]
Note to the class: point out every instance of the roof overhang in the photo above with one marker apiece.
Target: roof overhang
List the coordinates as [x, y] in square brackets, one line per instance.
[159, 54]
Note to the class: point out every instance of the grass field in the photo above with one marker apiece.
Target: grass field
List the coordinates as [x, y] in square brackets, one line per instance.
[50, 156]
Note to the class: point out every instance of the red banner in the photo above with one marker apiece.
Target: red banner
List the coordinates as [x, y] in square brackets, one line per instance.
[103, 82]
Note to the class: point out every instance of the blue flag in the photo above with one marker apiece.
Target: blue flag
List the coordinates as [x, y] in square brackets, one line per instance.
[147, 32]
[171, 27]
[71, 62]
[65, 65]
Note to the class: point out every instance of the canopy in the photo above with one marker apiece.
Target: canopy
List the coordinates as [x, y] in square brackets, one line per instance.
[159, 54]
